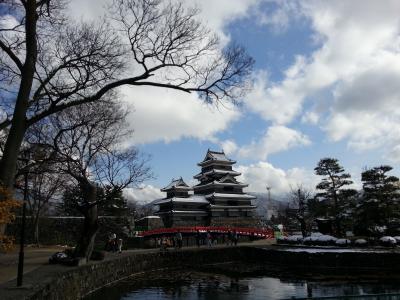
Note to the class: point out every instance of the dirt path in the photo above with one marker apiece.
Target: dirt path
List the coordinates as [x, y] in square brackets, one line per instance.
[34, 258]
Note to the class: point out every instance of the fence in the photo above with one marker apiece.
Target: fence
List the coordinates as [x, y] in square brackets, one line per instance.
[242, 231]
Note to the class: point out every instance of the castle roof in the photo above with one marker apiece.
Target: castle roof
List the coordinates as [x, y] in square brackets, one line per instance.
[230, 196]
[216, 172]
[176, 184]
[215, 156]
[198, 199]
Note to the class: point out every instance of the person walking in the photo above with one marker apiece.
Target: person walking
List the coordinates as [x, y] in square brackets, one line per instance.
[214, 239]
[119, 245]
[198, 237]
[179, 239]
[164, 244]
[229, 241]
[209, 239]
[235, 238]
[113, 242]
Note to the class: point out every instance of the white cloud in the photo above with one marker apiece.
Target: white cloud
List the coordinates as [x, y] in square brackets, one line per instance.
[143, 195]
[273, 102]
[263, 174]
[366, 111]
[277, 138]
[310, 117]
[229, 147]
[167, 115]
[352, 76]
[280, 18]
[218, 14]
[8, 22]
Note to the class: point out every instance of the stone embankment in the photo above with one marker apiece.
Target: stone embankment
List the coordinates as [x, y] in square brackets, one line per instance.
[59, 282]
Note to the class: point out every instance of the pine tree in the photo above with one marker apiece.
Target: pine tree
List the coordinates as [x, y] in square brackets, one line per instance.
[71, 199]
[333, 193]
[378, 204]
[111, 201]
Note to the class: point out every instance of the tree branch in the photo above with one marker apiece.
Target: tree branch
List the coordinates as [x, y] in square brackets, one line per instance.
[12, 55]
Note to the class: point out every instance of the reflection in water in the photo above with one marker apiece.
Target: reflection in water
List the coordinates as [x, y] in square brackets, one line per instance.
[199, 286]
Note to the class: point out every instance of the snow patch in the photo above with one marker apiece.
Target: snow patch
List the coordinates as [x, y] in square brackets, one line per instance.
[388, 240]
[343, 242]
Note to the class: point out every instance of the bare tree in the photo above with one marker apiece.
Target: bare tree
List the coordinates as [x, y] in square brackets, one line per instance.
[87, 147]
[49, 63]
[43, 188]
[299, 198]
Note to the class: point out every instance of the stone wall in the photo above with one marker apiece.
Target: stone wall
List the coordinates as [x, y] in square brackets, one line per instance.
[80, 281]
[342, 262]
[75, 282]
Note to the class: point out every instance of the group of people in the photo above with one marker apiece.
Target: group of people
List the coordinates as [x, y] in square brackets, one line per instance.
[175, 241]
[113, 244]
[210, 239]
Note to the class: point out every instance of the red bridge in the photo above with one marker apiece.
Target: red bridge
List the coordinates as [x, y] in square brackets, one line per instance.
[255, 232]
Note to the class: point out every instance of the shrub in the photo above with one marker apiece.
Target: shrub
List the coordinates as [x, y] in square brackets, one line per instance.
[361, 243]
[318, 239]
[343, 242]
[387, 241]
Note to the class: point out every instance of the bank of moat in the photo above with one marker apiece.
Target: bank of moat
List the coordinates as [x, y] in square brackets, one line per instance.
[217, 200]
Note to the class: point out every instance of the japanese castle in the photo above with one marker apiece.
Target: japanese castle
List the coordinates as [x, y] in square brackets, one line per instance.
[217, 200]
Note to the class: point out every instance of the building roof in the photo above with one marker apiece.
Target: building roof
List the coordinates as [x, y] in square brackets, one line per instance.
[176, 184]
[217, 183]
[213, 156]
[231, 196]
[228, 178]
[216, 207]
[183, 212]
[192, 199]
[147, 217]
[217, 172]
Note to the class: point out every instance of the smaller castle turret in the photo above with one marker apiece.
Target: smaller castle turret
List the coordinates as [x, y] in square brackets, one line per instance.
[180, 208]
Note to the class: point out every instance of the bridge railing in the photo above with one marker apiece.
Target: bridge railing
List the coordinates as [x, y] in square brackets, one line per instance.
[244, 231]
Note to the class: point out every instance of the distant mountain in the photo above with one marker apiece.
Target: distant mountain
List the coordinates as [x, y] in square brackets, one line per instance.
[265, 207]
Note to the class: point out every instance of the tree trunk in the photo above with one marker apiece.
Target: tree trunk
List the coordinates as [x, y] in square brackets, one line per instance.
[36, 231]
[18, 127]
[338, 227]
[85, 244]
[303, 226]
[336, 215]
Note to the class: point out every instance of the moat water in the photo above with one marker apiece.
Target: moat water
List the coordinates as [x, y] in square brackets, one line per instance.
[194, 285]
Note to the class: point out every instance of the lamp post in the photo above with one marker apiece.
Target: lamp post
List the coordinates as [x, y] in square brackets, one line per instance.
[30, 157]
[269, 204]
[22, 237]
[132, 222]
[269, 193]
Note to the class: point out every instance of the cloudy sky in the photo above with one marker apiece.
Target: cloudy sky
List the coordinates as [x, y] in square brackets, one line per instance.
[325, 85]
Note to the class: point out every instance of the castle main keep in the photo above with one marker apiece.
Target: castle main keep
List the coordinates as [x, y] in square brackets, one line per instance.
[217, 200]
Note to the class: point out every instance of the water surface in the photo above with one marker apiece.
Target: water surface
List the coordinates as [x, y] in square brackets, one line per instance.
[193, 285]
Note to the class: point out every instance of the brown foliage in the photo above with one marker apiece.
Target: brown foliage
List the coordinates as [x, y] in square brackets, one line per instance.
[7, 216]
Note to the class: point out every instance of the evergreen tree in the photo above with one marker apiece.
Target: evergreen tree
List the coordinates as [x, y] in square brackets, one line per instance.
[68, 206]
[378, 204]
[111, 201]
[333, 193]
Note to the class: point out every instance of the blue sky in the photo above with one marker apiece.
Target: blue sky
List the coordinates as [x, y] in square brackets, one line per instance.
[317, 64]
